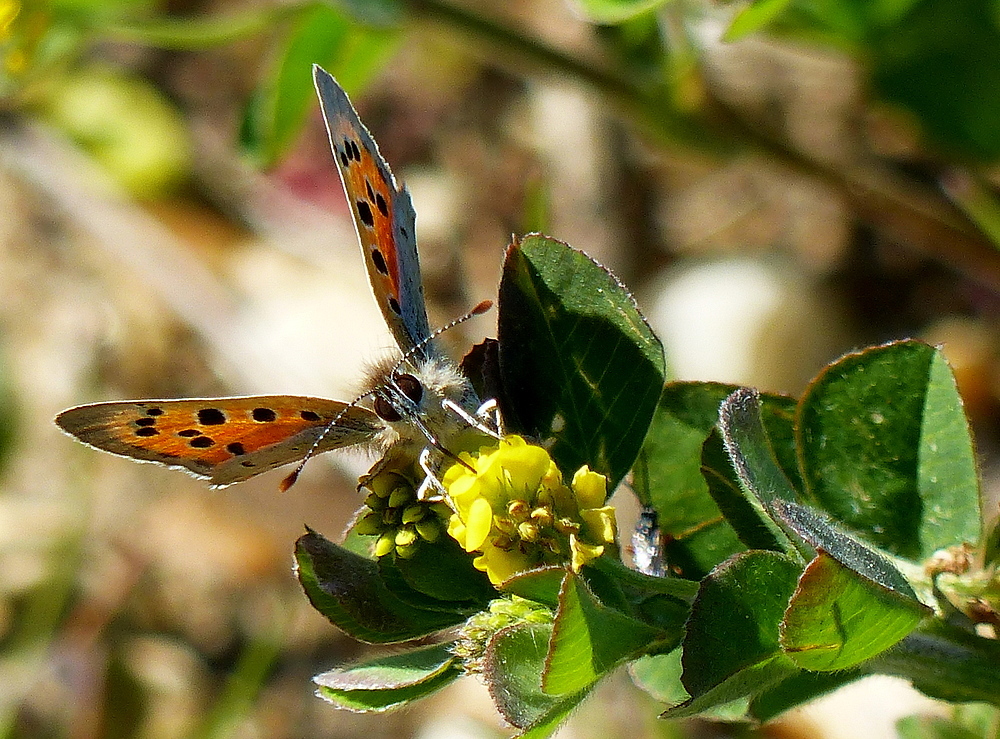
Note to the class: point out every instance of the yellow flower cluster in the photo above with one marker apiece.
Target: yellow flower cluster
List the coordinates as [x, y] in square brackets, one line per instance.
[512, 506]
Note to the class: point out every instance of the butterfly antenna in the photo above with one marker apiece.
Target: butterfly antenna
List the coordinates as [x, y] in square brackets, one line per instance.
[294, 475]
[477, 310]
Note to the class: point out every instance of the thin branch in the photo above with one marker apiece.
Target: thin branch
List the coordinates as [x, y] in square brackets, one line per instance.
[901, 209]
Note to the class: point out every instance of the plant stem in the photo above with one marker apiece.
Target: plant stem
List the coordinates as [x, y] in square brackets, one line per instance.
[897, 207]
[945, 662]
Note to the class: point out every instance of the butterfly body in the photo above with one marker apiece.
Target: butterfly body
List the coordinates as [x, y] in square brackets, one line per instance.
[420, 400]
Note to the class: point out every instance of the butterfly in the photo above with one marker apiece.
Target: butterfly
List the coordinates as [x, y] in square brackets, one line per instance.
[420, 402]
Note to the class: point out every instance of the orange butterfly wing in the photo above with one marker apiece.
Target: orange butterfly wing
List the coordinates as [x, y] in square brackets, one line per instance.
[383, 216]
[223, 440]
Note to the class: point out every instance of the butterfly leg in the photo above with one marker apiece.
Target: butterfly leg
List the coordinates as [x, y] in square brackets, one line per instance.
[431, 487]
[489, 412]
[478, 421]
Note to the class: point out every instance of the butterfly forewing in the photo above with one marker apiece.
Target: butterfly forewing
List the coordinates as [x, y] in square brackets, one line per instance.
[224, 440]
[383, 216]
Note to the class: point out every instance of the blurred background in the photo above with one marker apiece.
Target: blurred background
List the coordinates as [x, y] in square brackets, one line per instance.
[778, 182]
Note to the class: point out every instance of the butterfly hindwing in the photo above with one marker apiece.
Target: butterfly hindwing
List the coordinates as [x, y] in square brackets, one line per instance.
[383, 215]
[223, 440]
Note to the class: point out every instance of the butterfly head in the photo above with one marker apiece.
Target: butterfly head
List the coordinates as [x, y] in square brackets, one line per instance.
[413, 397]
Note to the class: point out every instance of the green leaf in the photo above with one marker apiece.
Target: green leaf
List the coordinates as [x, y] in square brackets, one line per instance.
[349, 591]
[320, 35]
[886, 449]
[945, 662]
[610, 12]
[940, 62]
[580, 365]
[838, 619]
[948, 476]
[512, 667]
[753, 18]
[197, 32]
[823, 535]
[389, 682]
[589, 639]
[760, 478]
[444, 571]
[399, 586]
[660, 676]
[933, 727]
[662, 602]
[798, 689]
[541, 585]
[742, 512]
[669, 474]
[732, 648]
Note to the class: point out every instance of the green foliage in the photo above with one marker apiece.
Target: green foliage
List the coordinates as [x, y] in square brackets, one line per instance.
[777, 513]
[579, 364]
[389, 682]
[793, 530]
[616, 11]
[319, 34]
[856, 433]
[939, 61]
[356, 594]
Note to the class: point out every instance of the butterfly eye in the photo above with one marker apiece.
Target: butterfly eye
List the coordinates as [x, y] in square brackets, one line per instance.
[410, 387]
[385, 411]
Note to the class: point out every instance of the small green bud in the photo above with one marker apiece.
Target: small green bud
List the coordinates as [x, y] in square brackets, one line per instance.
[369, 524]
[413, 513]
[374, 502]
[406, 536]
[430, 529]
[409, 550]
[401, 496]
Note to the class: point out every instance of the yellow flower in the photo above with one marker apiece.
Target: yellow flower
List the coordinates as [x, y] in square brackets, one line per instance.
[511, 505]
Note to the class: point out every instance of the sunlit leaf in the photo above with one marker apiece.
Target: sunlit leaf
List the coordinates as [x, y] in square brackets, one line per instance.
[616, 11]
[589, 639]
[837, 618]
[513, 667]
[732, 648]
[580, 365]
[886, 449]
[348, 590]
[389, 682]
[753, 17]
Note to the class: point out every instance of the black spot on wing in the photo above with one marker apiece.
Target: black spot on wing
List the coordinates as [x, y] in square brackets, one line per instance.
[147, 431]
[236, 448]
[382, 206]
[263, 415]
[365, 213]
[394, 306]
[309, 416]
[202, 442]
[379, 262]
[211, 417]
